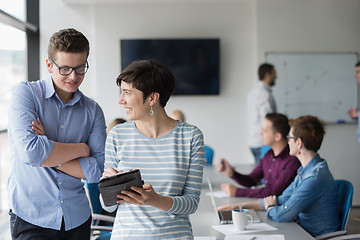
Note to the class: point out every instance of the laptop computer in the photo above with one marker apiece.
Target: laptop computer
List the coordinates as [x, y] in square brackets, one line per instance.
[225, 216]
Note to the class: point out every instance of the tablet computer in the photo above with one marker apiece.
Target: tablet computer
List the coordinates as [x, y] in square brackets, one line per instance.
[111, 186]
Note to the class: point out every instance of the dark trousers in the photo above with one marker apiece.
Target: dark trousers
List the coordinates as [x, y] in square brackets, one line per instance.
[22, 230]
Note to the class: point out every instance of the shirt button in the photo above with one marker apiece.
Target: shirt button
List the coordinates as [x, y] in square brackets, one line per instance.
[62, 126]
[60, 183]
[273, 159]
[61, 201]
[286, 207]
[269, 170]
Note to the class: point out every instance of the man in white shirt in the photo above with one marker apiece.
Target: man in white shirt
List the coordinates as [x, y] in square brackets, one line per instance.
[260, 102]
[354, 112]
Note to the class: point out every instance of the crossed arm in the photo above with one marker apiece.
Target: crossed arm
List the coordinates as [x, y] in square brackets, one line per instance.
[64, 155]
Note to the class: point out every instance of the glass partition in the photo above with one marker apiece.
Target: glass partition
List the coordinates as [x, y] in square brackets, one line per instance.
[13, 69]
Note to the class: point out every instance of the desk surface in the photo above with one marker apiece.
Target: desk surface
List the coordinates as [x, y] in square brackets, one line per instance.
[205, 216]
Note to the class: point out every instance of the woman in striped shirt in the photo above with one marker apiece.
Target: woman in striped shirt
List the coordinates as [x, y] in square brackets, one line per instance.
[169, 154]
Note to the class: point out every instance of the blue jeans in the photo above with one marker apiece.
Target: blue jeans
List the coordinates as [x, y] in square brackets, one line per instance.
[22, 230]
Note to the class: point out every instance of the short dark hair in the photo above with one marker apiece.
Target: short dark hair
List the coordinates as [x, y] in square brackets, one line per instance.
[265, 68]
[280, 123]
[357, 64]
[68, 40]
[310, 130]
[149, 76]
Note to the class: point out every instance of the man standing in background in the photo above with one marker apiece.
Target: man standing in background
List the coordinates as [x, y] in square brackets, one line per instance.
[260, 102]
[354, 113]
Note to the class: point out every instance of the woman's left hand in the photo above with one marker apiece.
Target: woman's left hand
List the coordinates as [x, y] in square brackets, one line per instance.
[145, 196]
[140, 196]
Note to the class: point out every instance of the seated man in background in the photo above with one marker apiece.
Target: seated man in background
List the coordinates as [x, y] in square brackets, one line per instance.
[277, 167]
[311, 199]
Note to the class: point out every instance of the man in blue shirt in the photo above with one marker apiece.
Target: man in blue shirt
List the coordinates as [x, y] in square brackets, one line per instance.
[57, 137]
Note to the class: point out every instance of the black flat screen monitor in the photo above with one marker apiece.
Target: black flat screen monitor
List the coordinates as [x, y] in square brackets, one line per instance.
[194, 62]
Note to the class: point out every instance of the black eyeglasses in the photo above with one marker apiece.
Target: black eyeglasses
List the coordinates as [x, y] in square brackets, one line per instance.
[65, 71]
[289, 137]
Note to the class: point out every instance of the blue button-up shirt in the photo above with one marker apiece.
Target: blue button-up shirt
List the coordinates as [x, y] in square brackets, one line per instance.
[311, 199]
[43, 195]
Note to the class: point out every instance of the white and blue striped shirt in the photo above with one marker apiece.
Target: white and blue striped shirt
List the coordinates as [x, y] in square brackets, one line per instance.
[173, 164]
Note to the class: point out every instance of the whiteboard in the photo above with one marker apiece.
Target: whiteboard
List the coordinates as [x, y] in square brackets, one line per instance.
[320, 84]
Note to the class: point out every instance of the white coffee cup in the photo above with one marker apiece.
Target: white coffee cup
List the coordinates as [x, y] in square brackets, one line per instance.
[240, 219]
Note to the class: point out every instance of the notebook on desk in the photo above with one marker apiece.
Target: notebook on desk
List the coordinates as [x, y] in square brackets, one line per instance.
[225, 216]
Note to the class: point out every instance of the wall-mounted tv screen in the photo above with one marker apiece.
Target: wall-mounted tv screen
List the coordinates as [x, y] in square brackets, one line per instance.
[194, 62]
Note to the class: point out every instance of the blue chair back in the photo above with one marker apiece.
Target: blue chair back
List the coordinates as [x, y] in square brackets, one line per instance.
[94, 196]
[345, 196]
[209, 155]
[264, 149]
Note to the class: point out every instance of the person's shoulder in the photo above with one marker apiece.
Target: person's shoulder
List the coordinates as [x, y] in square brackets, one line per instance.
[126, 124]
[318, 170]
[121, 128]
[321, 167]
[292, 159]
[188, 129]
[187, 126]
[264, 90]
[87, 101]
[254, 90]
[288, 159]
[259, 90]
[268, 156]
[30, 84]
[30, 88]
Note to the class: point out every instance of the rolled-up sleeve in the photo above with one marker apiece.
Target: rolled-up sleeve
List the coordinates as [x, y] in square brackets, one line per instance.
[93, 166]
[33, 149]
[299, 200]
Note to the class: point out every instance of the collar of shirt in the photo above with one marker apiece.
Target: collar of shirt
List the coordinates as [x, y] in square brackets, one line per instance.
[265, 86]
[282, 155]
[50, 91]
[309, 168]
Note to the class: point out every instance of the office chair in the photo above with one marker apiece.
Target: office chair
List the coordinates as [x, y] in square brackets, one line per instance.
[209, 154]
[101, 226]
[345, 196]
[264, 150]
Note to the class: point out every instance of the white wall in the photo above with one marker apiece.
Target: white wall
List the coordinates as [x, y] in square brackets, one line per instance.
[221, 118]
[247, 30]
